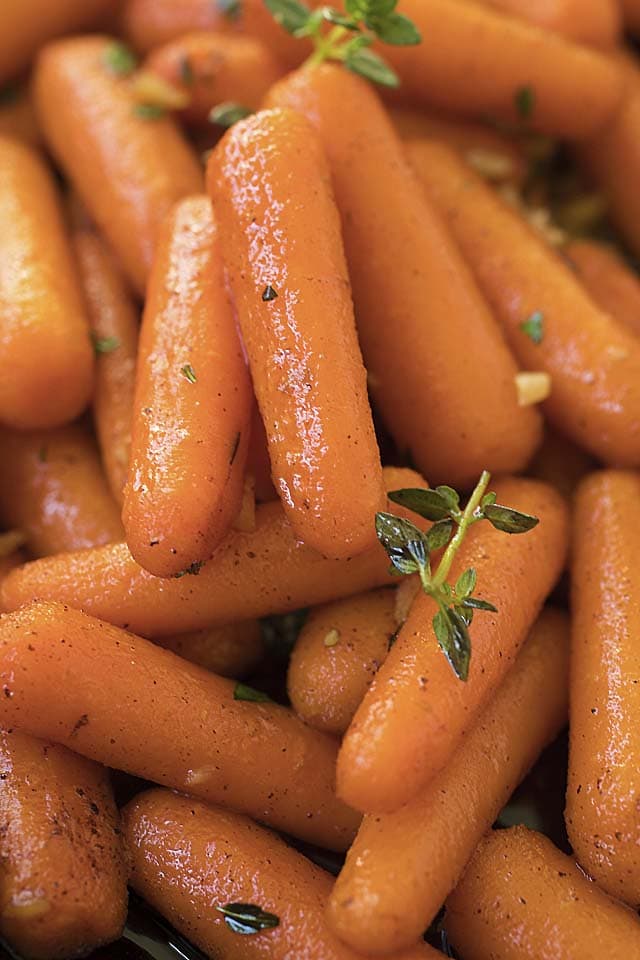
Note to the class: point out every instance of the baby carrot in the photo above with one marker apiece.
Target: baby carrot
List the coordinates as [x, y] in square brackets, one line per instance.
[560, 463]
[17, 116]
[595, 376]
[128, 164]
[595, 23]
[63, 885]
[190, 861]
[402, 865]
[231, 650]
[421, 320]
[604, 756]
[53, 489]
[114, 323]
[478, 62]
[287, 271]
[417, 711]
[192, 402]
[521, 897]
[258, 462]
[609, 280]
[46, 361]
[337, 654]
[265, 571]
[167, 720]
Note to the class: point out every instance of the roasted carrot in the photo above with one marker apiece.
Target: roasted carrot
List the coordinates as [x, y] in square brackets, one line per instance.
[288, 275]
[337, 654]
[53, 489]
[421, 319]
[17, 116]
[114, 323]
[252, 575]
[521, 897]
[63, 885]
[604, 758]
[402, 865]
[231, 650]
[227, 751]
[609, 280]
[595, 377]
[128, 165]
[560, 463]
[46, 361]
[190, 860]
[192, 403]
[631, 15]
[595, 23]
[417, 711]
[258, 462]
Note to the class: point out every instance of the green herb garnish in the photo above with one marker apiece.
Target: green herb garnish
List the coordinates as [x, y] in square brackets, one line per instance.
[525, 101]
[228, 113]
[533, 327]
[269, 293]
[104, 344]
[242, 692]
[192, 570]
[188, 373]
[247, 918]
[119, 59]
[149, 111]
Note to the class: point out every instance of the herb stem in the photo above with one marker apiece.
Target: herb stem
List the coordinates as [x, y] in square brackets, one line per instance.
[464, 523]
[326, 47]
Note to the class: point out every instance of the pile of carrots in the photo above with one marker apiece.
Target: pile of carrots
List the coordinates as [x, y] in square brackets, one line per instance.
[246, 296]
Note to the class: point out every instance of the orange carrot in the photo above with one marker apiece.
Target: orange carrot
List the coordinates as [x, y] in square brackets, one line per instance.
[17, 116]
[252, 574]
[609, 280]
[231, 650]
[595, 377]
[288, 275]
[258, 462]
[192, 402]
[167, 720]
[189, 860]
[416, 711]
[604, 755]
[560, 463]
[52, 488]
[596, 23]
[521, 897]
[421, 319]
[63, 886]
[402, 865]
[631, 15]
[129, 166]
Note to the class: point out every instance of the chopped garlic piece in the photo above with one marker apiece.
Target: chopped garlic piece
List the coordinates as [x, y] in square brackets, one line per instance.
[150, 88]
[532, 387]
[332, 638]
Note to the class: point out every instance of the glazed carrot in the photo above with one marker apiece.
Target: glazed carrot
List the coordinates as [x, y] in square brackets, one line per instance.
[167, 720]
[129, 168]
[52, 488]
[46, 362]
[402, 865]
[17, 116]
[421, 320]
[63, 886]
[231, 650]
[288, 276]
[258, 462]
[188, 859]
[631, 15]
[212, 68]
[609, 280]
[475, 60]
[521, 897]
[416, 712]
[252, 575]
[114, 323]
[595, 23]
[560, 463]
[604, 759]
[595, 378]
[337, 654]
[192, 402]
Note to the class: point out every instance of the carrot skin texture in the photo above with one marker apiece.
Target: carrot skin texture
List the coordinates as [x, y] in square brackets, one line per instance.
[522, 899]
[263, 572]
[612, 283]
[594, 23]
[288, 275]
[46, 360]
[188, 858]
[230, 650]
[63, 889]
[604, 754]
[232, 752]
[417, 711]
[402, 865]
[192, 403]
[408, 277]
[595, 371]
[128, 170]
[53, 489]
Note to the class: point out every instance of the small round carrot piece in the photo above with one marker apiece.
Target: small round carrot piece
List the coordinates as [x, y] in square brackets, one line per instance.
[263, 572]
[521, 897]
[417, 711]
[336, 656]
[128, 165]
[189, 860]
[17, 115]
[550, 322]
[402, 865]
[288, 275]
[604, 754]
[167, 720]
[594, 23]
[612, 283]
[46, 361]
[231, 650]
[192, 402]
[63, 884]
